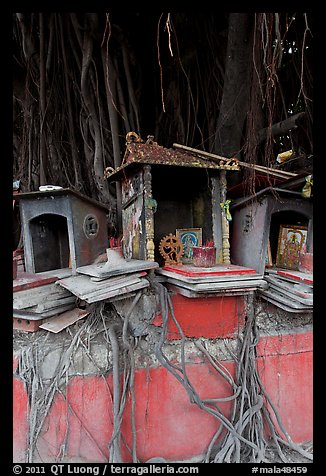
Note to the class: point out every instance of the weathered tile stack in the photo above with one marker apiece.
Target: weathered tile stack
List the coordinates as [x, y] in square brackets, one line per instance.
[289, 290]
[101, 281]
[195, 281]
[36, 298]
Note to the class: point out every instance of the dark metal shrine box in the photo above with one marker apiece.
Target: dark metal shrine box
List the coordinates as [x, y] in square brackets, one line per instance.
[258, 220]
[168, 189]
[61, 229]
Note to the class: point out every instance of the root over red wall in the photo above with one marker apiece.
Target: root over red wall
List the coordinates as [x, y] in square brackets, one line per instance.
[167, 423]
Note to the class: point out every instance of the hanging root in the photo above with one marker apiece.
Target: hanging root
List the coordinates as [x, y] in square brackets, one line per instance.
[119, 401]
[42, 392]
[240, 437]
[244, 440]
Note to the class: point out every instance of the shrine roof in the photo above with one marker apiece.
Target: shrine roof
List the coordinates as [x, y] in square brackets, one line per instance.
[153, 154]
[58, 192]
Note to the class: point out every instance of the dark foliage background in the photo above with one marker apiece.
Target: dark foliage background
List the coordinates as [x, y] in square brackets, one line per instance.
[213, 81]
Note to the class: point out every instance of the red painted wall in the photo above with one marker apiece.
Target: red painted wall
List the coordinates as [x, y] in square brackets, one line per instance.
[20, 425]
[168, 425]
[81, 419]
[208, 317]
[286, 369]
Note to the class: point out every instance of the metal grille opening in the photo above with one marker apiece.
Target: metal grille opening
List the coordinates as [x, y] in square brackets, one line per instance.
[91, 226]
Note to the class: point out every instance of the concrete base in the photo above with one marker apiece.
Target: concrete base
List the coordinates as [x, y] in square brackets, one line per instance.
[167, 424]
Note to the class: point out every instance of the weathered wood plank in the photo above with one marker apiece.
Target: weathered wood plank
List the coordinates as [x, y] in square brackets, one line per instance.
[276, 297]
[115, 287]
[218, 286]
[58, 323]
[30, 282]
[296, 276]
[208, 279]
[283, 306]
[103, 270]
[45, 290]
[193, 294]
[283, 292]
[261, 168]
[26, 300]
[34, 316]
[127, 289]
[299, 289]
[54, 304]
[82, 285]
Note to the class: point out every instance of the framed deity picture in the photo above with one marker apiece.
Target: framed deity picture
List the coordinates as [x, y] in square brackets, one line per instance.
[291, 241]
[190, 237]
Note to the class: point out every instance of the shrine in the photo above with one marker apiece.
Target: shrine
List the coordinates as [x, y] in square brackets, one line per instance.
[266, 227]
[172, 191]
[73, 226]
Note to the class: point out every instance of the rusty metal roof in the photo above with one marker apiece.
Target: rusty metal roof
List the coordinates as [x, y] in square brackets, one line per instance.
[153, 154]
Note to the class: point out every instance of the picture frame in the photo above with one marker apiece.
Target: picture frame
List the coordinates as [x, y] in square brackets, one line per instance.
[190, 237]
[291, 241]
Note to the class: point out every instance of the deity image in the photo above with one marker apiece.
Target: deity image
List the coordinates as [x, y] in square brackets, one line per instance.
[291, 245]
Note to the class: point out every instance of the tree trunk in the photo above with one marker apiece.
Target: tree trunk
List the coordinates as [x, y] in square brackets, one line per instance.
[280, 127]
[110, 85]
[236, 87]
[72, 136]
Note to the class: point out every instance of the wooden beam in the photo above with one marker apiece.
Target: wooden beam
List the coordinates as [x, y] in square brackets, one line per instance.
[202, 152]
[260, 168]
[268, 170]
